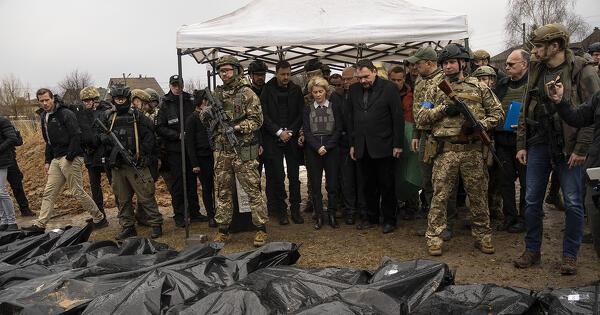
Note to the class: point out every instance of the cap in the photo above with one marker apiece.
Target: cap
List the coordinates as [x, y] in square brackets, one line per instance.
[423, 53]
[175, 79]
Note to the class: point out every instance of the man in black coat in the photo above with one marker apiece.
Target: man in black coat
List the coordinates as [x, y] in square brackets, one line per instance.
[282, 106]
[167, 128]
[376, 138]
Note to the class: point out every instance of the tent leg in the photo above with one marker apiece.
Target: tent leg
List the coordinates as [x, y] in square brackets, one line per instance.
[208, 78]
[186, 211]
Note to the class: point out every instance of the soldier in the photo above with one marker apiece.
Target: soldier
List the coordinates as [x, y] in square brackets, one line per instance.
[594, 51]
[257, 70]
[135, 132]
[94, 151]
[482, 58]
[140, 99]
[485, 75]
[460, 150]
[242, 106]
[151, 108]
[430, 75]
[545, 142]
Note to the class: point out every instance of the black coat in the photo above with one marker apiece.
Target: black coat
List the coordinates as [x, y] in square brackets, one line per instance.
[197, 141]
[8, 141]
[584, 115]
[93, 148]
[270, 111]
[378, 127]
[62, 134]
[167, 120]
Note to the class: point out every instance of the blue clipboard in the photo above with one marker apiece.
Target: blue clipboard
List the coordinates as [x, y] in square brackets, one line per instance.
[512, 116]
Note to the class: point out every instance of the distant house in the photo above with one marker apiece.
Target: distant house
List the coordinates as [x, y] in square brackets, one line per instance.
[137, 83]
[499, 60]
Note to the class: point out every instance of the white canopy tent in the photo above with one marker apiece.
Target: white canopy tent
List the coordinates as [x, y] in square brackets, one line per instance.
[336, 31]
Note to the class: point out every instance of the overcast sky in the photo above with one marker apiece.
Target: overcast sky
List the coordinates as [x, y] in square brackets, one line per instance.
[43, 40]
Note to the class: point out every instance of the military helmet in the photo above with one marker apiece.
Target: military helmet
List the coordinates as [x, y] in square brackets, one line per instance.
[480, 54]
[312, 65]
[88, 93]
[550, 32]
[595, 47]
[120, 90]
[453, 51]
[257, 66]
[228, 60]
[484, 71]
[153, 94]
[141, 94]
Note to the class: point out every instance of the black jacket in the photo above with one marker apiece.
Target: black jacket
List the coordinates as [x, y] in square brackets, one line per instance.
[330, 142]
[197, 141]
[93, 149]
[379, 126]
[62, 133]
[270, 110]
[167, 121]
[8, 140]
[584, 115]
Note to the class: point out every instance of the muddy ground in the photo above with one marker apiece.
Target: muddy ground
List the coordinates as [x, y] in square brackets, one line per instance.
[346, 246]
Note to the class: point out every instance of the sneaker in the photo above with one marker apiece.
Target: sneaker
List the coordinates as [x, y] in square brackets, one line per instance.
[485, 246]
[568, 266]
[260, 238]
[12, 227]
[528, 259]
[126, 232]
[435, 250]
[221, 237]
[156, 231]
[34, 228]
[102, 224]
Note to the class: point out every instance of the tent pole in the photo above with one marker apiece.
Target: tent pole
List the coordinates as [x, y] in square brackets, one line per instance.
[208, 78]
[186, 211]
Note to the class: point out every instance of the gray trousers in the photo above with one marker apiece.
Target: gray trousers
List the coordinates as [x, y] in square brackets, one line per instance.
[7, 209]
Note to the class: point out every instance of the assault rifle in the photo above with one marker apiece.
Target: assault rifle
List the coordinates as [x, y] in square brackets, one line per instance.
[120, 150]
[472, 120]
[218, 117]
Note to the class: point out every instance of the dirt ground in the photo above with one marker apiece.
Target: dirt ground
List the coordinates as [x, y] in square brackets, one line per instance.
[346, 246]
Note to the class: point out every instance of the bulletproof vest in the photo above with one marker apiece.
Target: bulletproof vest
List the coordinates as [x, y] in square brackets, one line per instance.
[322, 121]
[123, 128]
[423, 94]
[232, 102]
[513, 95]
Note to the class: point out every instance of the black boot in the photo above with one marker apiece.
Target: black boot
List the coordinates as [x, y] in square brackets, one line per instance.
[318, 222]
[212, 223]
[333, 220]
[350, 219]
[156, 231]
[283, 218]
[126, 232]
[26, 212]
[296, 216]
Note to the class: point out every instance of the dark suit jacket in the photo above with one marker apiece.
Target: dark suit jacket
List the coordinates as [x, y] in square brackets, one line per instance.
[379, 126]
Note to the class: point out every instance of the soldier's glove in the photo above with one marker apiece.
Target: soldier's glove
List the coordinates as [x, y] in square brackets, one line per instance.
[452, 110]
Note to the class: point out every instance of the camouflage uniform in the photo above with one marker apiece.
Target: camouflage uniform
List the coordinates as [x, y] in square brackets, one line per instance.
[464, 158]
[242, 105]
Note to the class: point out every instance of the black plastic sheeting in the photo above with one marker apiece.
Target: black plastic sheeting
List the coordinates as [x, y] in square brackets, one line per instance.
[61, 272]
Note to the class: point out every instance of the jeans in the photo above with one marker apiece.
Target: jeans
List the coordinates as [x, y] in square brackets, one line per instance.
[7, 209]
[538, 171]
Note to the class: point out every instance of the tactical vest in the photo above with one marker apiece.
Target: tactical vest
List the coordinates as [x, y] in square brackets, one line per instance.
[424, 92]
[125, 128]
[322, 121]
[513, 95]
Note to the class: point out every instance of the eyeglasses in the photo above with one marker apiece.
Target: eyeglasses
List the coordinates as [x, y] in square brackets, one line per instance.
[225, 70]
[89, 100]
[512, 64]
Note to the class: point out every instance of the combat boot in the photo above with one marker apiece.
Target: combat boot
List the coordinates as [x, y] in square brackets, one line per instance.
[485, 246]
[222, 235]
[435, 249]
[527, 259]
[156, 231]
[568, 266]
[126, 232]
[261, 237]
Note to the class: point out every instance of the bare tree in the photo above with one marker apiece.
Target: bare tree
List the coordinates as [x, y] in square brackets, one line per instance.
[73, 83]
[192, 85]
[535, 13]
[12, 95]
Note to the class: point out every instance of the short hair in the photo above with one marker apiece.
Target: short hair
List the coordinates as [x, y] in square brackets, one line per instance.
[43, 91]
[335, 76]
[282, 64]
[318, 81]
[366, 63]
[397, 69]
[562, 44]
[525, 55]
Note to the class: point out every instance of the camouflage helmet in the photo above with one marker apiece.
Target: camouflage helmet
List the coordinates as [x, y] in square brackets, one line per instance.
[481, 54]
[257, 66]
[141, 94]
[153, 94]
[88, 93]
[228, 60]
[453, 51]
[484, 71]
[550, 32]
[120, 90]
[595, 47]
